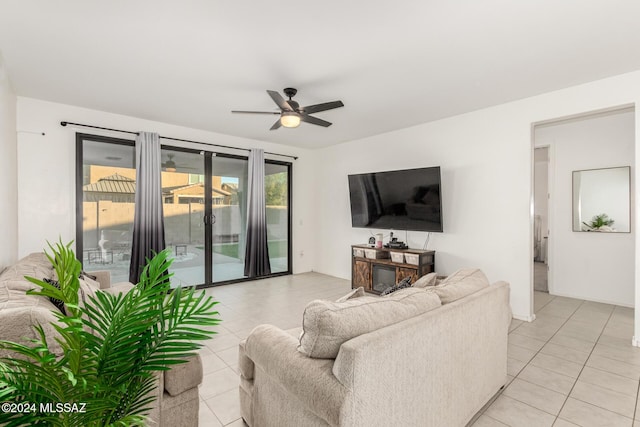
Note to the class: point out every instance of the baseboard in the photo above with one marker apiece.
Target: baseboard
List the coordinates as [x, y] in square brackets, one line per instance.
[635, 342]
[524, 318]
[557, 294]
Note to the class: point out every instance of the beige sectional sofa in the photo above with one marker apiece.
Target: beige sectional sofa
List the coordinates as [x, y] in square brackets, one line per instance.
[177, 391]
[434, 366]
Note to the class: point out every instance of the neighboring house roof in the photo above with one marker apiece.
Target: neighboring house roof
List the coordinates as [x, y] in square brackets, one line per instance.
[230, 187]
[115, 183]
[181, 189]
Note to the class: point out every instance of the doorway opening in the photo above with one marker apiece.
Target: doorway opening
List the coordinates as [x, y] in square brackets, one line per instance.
[583, 259]
[541, 219]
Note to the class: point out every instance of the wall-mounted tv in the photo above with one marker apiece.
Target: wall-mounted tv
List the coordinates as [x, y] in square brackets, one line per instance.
[407, 199]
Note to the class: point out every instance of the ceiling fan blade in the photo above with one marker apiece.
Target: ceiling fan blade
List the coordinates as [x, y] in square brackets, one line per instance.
[276, 125]
[256, 112]
[322, 107]
[279, 100]
[314, 120]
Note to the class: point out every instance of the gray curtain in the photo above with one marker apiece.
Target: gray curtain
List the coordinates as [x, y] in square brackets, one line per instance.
[148, 221]
[256, 261]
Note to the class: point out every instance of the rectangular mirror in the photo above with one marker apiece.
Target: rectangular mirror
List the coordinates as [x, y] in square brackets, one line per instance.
[601, 200]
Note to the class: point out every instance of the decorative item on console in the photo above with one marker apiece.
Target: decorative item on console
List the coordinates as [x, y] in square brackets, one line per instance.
[394, 243]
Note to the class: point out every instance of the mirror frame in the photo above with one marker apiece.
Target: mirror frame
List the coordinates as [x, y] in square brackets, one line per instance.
[573, 200]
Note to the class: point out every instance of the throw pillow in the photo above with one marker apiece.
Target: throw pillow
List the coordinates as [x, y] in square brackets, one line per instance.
[87, 288]
[426, 280]
[90, 279]
[84, 274]
[55, 301]
[404, 283]
[353, 294]
[463, 282]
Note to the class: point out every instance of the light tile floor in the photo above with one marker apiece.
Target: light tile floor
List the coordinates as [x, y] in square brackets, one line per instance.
[279, 301]
[573, 366]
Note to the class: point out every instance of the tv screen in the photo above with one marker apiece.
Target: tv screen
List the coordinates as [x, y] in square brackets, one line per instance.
[401, 200]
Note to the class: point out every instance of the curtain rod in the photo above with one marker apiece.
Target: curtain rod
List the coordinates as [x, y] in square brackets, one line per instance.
[174, 139]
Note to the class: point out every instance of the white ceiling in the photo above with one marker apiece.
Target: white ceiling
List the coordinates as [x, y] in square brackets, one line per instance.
[393, 64]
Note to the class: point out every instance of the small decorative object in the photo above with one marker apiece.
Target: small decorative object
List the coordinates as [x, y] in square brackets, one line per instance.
[372, 241]
[600, 222]
[379, 240]
[404, 283]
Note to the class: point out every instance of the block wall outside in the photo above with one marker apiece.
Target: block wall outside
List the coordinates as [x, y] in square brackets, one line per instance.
[183, 223]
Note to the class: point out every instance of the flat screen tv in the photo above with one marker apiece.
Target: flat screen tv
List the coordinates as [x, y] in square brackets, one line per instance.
[407, 199]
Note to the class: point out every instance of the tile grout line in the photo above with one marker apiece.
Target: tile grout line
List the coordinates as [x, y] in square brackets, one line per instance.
[585, 364]
[501, 391]
[538, 352]
[210, 410]
[547, 303]
[522, 322]
[635, 408]
[548, 341]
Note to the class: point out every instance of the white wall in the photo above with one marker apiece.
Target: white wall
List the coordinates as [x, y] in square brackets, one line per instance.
[487, 183]
[8, 172]
[486, 160]
[591, 266]
[46, 172]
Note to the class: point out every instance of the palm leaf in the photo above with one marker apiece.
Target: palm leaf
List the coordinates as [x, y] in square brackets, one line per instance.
[148, 329]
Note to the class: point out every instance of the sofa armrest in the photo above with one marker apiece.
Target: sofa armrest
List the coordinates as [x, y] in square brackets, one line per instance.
[17, 325]
[103, 277]
[245, 364]
[184, 376]
[275, 352]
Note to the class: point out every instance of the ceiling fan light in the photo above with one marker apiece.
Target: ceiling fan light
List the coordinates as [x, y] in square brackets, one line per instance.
[289, 119]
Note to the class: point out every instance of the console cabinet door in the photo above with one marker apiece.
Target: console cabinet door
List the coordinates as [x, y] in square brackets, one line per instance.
[401, 273]
[362, 274]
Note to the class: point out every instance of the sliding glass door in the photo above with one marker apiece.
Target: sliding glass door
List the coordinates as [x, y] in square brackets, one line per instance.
[277, 191]
[228, 217]
[106, 185]
[204, 202]
[183, 195]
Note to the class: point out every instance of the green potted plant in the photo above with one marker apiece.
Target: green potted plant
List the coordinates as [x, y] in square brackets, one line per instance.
[600, 222]
[113, 345]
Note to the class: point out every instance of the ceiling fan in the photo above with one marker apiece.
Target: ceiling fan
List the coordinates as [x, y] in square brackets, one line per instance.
[291, 114]
[170, 165]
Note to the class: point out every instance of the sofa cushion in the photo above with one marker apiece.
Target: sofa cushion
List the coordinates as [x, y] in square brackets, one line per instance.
[426, 280]
[13, 278]
[119, 288]
[460, 284]
[87, 290]
[326, 324]
[356, 293]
